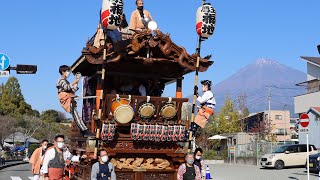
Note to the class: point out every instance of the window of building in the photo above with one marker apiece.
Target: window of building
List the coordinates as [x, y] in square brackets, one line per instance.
[280, 131]
[279, 117]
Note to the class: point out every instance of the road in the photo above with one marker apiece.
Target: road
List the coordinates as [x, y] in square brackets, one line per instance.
[218, 172]
[19, 172]
[243, 172]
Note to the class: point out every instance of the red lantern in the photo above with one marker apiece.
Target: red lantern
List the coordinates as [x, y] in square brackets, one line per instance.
[206, 20]
[111, 13]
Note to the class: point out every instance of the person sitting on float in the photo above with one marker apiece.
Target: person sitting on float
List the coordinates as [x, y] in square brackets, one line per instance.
[140, 17]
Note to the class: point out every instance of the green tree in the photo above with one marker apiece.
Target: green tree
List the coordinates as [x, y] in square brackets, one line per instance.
[246, 112]
[12, 102]
[52, 115]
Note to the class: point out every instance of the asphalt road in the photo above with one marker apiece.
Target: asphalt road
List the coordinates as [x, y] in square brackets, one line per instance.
[243, 172]
[19, 172]
[218, 172]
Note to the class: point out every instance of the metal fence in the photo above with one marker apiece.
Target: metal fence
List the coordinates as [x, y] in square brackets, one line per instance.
[251, 153]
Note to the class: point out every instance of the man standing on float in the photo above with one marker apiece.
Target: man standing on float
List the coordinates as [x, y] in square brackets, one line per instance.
[66, 97]
[207, 102]
[139, 16]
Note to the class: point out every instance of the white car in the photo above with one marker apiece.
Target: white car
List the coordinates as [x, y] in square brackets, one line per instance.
[288, 155]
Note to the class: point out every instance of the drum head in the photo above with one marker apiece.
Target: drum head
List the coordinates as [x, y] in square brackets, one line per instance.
[147, 110]
[123, 114]
[168, 111]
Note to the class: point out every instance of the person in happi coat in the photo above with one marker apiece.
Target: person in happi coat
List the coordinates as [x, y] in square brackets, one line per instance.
[139, 17]
[36, 159]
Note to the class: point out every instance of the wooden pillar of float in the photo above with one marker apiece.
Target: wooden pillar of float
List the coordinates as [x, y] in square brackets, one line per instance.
[179, 88]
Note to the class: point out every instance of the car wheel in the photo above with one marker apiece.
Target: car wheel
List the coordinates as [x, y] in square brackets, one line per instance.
[279, 165]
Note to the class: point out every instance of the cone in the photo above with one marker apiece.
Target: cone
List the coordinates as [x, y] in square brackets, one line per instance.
[208, 175]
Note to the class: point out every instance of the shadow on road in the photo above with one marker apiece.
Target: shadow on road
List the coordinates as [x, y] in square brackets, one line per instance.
[21, 170]
[304, 174]
[293, 178]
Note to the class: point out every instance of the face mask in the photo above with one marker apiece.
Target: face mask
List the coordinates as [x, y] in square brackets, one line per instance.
[44, 147]
[198, 157]
[104, 159]
[67, 74]
[190, 161]
[140, 8]
[60, 145]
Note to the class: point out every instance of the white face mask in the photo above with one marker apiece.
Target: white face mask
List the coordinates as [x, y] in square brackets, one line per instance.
[67, 74]
[198, 157]
[44, 147]
[104, 159]
[60, 145]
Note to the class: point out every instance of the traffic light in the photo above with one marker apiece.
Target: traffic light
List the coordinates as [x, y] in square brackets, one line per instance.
[24, 69]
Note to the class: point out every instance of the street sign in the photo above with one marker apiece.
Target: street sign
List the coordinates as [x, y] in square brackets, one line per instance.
[304, 120]
[4, 73]
[4, 62]
[232, 150]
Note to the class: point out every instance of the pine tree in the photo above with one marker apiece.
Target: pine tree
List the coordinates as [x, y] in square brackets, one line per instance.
[12, 102]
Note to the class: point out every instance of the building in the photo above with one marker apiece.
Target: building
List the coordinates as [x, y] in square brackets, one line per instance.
[314, 126]
[310, 98]
[278, 126]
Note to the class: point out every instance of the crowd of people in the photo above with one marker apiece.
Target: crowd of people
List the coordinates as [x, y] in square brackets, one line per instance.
[49, 163]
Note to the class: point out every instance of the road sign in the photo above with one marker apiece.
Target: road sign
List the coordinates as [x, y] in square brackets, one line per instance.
[304, 123]
[4, 62]
[304, 120]
[4, 73]
[232, 150]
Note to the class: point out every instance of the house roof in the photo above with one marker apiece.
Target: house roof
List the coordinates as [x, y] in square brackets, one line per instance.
[313, 60]
[315, 110]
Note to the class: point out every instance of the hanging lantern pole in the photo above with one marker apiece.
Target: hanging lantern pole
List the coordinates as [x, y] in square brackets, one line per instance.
[210, 22]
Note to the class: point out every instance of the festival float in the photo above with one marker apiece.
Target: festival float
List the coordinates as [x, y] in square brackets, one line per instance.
[145, 135]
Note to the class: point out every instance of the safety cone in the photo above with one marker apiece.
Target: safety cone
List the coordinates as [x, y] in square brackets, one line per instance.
[208, 175]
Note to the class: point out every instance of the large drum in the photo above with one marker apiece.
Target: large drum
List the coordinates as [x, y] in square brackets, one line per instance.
[121, 110]
[169, 110]
[146, 109]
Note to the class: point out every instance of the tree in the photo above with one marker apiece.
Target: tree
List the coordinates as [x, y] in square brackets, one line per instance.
[30, 126]
[51, 116]
[7, 126]
[12, 102]
[245, 112]
[36, 113]
[227, 120]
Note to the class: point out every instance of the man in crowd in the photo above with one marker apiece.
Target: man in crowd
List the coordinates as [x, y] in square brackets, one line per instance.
[104, 169]
[139, 17]
[36, 159]
[189, 171]
[55, 159]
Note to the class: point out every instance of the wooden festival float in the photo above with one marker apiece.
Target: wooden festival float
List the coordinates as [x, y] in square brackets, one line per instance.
[144, 135]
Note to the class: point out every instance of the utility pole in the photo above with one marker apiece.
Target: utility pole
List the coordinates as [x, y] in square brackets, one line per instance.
[285, 124]
[269, 102]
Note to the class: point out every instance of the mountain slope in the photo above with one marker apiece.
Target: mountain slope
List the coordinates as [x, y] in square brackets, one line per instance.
[252, 81]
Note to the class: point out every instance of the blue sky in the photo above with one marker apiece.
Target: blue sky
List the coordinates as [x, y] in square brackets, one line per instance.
[51, 33]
